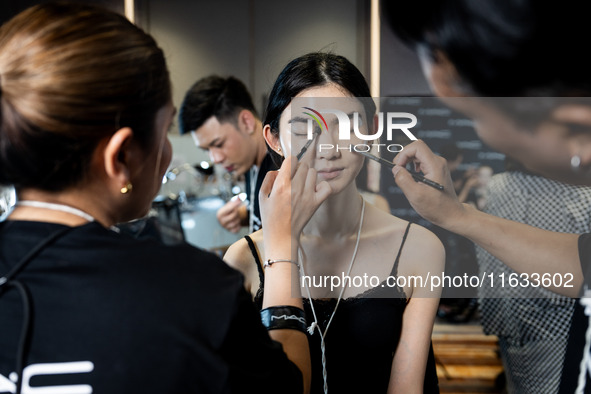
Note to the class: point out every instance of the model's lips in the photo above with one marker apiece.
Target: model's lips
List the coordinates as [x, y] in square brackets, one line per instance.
[329, 173]
[229, 168]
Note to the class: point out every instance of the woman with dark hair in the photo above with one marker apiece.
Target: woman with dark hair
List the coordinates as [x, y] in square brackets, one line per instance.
[364, 338]
[85, 103]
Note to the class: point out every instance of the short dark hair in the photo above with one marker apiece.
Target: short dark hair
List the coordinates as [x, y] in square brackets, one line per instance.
[502, 48]
[60, 95]
[314, 69]
[215, 96]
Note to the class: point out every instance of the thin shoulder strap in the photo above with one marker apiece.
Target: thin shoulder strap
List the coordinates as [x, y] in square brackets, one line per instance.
[395, 268]
[257, 259]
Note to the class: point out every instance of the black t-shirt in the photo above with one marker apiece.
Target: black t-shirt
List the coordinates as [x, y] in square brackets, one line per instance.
[577, 344]
[128, 316]
[266, 166]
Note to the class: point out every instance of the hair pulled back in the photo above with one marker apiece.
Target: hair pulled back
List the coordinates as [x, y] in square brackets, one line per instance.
[71, 75]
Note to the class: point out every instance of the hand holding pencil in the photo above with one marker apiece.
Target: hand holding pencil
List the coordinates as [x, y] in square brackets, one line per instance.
[417, 177]
[438, 205]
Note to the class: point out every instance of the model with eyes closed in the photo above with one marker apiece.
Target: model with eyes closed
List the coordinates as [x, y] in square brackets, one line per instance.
[363, 338]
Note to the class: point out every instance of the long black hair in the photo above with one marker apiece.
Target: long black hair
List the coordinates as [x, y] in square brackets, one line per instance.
[311, 70]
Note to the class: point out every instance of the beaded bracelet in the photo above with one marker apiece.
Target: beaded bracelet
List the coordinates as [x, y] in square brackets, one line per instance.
[270, 262]
[284, 317]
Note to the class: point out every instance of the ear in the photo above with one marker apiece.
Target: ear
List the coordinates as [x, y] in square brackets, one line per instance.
[247, 121]
[272, 139]
[117, 155]
[579, 140]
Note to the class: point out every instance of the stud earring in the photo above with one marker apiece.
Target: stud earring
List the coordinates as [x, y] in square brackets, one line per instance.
[279, 150]
[575, 163]
[127, 188]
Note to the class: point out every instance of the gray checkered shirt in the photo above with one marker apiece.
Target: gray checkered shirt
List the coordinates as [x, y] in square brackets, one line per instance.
[522, 316]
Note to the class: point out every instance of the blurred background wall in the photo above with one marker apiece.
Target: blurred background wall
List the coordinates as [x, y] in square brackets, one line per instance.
[254, 39]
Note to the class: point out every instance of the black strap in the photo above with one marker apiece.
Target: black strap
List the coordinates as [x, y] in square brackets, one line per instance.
[395, 268]
[8, 281]
[257, 259]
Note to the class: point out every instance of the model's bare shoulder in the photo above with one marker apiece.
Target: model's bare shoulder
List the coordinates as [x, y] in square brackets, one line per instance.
[240, 257]
[426, 252]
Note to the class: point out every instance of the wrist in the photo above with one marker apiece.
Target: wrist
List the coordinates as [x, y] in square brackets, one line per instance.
[270, 262]
[282, 285]
[459, 220]
[277, 246]
[284, 317]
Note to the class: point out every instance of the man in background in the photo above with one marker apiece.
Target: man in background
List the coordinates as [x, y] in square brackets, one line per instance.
[220, 115]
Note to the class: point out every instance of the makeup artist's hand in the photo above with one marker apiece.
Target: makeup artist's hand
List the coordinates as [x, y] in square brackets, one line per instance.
[439, 207]
[288, 198]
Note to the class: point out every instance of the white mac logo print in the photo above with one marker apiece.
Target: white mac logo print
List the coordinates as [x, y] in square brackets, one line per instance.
[9, 385]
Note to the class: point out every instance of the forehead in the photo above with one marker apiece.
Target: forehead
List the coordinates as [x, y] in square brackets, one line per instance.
[329, 95]
[324, 99]
[212, 130]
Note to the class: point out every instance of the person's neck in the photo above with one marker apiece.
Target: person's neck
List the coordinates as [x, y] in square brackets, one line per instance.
[76, 199]
[338, 216]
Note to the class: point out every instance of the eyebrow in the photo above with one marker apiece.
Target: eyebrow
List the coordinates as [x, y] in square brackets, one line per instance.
[298, 119]
[215, 141]
[302, 119]
[207, 146]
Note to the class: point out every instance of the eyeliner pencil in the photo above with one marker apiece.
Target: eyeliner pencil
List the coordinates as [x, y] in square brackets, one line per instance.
[417, 177]
[305, 147]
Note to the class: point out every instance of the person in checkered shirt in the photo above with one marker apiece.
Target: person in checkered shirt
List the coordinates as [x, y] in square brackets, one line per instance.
[517, 69]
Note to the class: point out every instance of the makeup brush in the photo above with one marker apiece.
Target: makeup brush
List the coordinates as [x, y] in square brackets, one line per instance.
[417, 177]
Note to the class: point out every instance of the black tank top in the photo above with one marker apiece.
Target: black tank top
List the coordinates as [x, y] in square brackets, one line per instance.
[362, 338]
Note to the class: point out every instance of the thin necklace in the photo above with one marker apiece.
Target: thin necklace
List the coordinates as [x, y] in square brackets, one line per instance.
[55, 207]
[315, 325]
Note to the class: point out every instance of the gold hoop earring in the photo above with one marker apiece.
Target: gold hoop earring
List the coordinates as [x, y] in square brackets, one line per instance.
[127, 188]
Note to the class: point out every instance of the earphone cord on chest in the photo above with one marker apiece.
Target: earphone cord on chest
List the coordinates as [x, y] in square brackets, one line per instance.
[315, 325]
